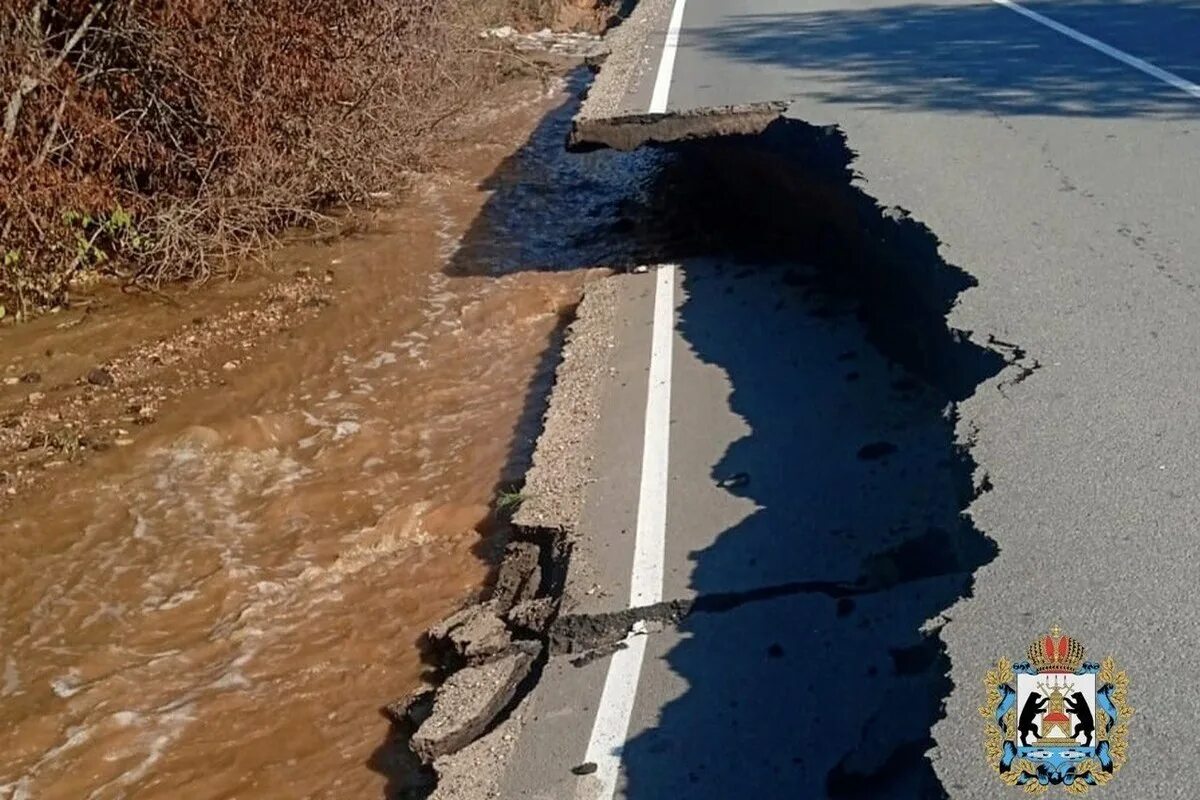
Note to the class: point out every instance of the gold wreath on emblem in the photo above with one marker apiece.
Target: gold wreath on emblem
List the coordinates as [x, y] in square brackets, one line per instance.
[1022, 771]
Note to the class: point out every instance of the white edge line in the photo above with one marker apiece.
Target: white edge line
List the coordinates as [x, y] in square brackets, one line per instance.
[611, 727]
[666, 65]
[607, 744]
[1108, 50]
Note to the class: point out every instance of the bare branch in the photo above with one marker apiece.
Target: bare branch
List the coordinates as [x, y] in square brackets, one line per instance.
[79, 33]
[48, 142]
[28, 84]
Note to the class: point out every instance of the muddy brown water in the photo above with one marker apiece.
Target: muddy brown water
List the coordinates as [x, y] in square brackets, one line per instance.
[220, 608]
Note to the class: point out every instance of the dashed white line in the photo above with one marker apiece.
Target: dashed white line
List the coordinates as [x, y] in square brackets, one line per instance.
[666, 65]
[620, 686]
[1141, 65]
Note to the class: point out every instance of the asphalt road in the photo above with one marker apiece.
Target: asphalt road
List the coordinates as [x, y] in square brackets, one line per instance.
[1063, 178]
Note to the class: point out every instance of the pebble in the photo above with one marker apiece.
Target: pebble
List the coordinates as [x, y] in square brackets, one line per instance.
[100, 377]
[734, 481]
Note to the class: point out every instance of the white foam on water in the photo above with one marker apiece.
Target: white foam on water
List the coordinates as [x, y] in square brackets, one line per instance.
[22, 788]
[12, 678]
[67, 685]
[170, 727]
[345, 428]
[382, 359]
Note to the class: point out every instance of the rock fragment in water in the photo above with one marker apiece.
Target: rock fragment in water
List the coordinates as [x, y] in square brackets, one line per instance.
[100, 377]
[413, 709]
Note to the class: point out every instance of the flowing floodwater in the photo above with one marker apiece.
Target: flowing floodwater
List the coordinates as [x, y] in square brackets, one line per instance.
[220, 609]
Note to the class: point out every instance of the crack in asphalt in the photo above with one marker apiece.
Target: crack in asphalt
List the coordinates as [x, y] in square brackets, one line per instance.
[930, 555]
[574, 633]
[1014, 356]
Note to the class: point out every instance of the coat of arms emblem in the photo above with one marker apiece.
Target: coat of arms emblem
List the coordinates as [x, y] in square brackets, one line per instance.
[1055, 719]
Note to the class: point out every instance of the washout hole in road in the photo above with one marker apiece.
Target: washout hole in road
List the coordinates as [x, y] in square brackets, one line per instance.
[946, 369]
[897, 294]
[789, 211]
[808, 167]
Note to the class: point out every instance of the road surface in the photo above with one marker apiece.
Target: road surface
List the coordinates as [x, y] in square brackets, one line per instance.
[1051, 147]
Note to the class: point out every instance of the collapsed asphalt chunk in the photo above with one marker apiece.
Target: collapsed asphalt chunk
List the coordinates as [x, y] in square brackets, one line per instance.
[471, 635]
[470, 700]
[532, 617]
[519, 576]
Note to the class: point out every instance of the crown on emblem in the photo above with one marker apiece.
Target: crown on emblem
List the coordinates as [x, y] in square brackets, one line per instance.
[1055, 652]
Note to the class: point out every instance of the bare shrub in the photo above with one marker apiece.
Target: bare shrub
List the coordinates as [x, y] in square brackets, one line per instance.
[156, 140]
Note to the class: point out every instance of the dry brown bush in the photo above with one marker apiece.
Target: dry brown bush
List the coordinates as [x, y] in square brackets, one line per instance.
[154, 140]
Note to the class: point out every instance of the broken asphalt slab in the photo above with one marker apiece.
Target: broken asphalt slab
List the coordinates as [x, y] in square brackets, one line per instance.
[472, 635]
[470, 700]
[616, 112]
[491, 651]
[630, 131]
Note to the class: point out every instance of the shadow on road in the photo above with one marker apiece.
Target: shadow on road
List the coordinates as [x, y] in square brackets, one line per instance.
[978, 57]
[853, 470]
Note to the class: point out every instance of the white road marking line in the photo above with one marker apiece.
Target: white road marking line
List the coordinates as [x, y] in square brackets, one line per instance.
[666, 65]
[612, 721]
[1143, 66]
[620, 686]
[646, 587]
